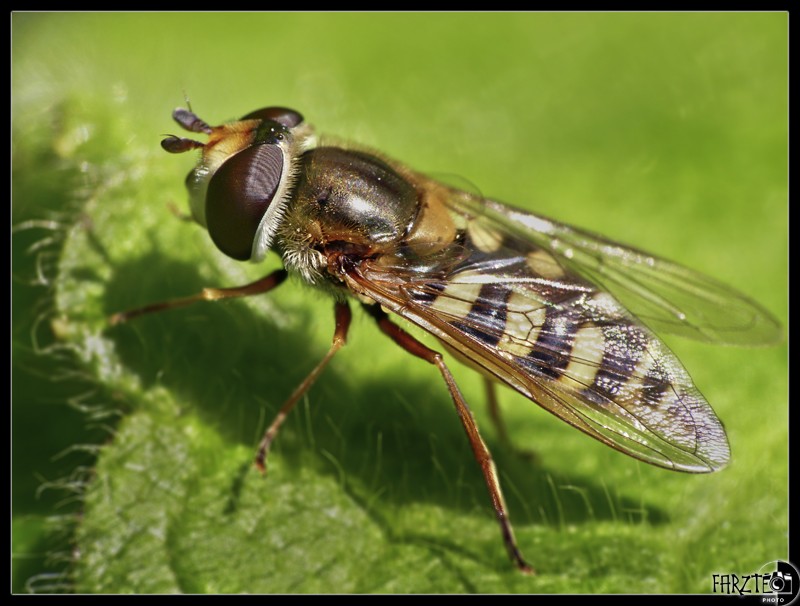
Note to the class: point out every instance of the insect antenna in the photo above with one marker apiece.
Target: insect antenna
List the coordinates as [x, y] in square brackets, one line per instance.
[178, 145]
[188, 120]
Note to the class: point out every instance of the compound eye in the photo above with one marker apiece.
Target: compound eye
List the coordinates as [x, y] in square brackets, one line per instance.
[238, 195]
[282, 115]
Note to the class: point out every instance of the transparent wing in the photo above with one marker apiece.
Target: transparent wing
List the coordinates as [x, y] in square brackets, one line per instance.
[523, 315]
[664, 295]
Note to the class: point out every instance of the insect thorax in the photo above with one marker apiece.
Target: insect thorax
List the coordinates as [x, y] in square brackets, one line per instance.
[345, 202]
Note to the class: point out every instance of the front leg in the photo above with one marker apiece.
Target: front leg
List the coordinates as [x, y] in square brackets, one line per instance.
[343, 316]
[258, 287]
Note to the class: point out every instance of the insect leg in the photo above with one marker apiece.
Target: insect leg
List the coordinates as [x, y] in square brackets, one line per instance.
[495, 414]
[479, 448]
[494, 410]
[343, 317]
[258, 287]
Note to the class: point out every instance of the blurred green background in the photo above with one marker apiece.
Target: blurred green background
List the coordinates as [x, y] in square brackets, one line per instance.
[131, 446]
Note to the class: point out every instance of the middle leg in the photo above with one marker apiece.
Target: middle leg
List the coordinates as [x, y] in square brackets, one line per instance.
[479, 448]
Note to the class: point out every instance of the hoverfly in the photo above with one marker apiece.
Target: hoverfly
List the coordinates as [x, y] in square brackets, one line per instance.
[561, 315]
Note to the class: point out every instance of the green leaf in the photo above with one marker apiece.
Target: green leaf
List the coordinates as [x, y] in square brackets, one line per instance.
[667, 131]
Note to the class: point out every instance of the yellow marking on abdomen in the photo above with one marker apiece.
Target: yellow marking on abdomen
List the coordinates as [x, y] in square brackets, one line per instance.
[586, 357]
[484, 238]
[544, 264]
[457, 299]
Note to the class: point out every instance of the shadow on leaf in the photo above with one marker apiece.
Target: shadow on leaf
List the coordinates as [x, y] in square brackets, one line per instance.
[394, 437]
